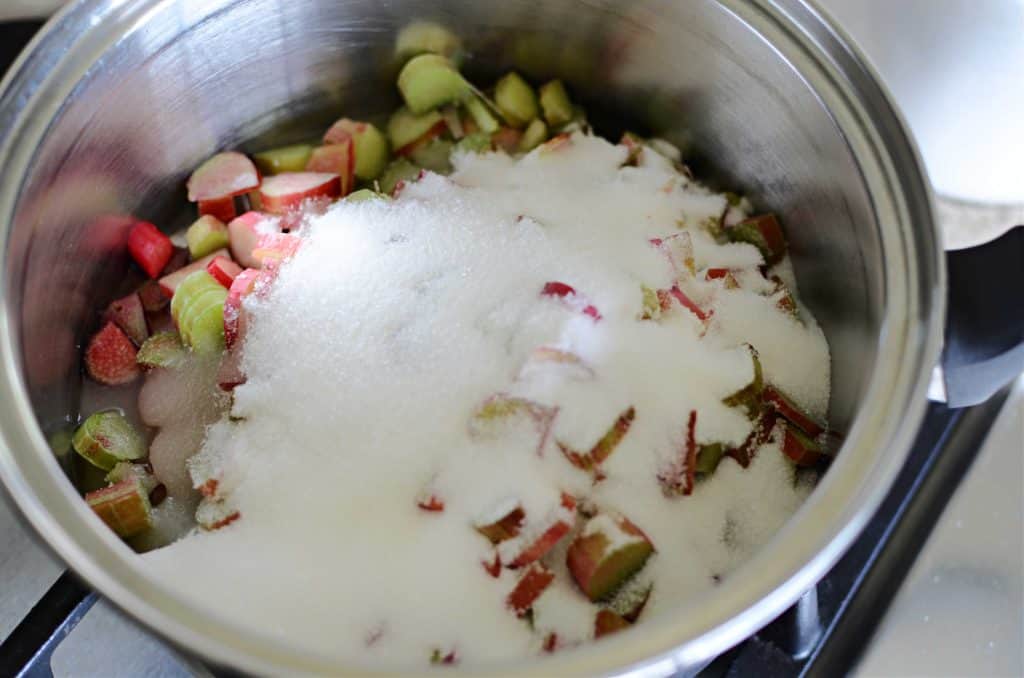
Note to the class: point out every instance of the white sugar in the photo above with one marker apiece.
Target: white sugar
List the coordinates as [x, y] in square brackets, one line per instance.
[396, 320]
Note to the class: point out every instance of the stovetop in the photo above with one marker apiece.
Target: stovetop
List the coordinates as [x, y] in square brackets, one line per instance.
[51, 624]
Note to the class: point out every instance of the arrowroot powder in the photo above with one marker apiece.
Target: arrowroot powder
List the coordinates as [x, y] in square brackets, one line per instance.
[396, 320]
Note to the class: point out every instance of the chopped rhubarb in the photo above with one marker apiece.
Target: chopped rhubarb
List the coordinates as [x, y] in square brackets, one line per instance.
[723, 274]
[708, 457]
[604, 447]
[406, 130]
[272, 248]
[150, 248]
[207, 234]
[516, 100]
[287, 191]
[482, 116]
[534, 135]
[763, 428]
[396, 174]
[152, 297]
[554, 102]
[124, 507]
[498, 412]
[653, 304]
[550, 642]
[243, 284]
[556, 143]
[749, 397]
[284, 159]
[764, 233]
[608, 551]
[340, 159]
[679, 477]
[629, 601]
[507, 139]
[371, 146]
[678, 249]
[225, 175]
[110, 356]
[429, 81]
[244, 233]
[689, 304]
[533, 582]
[799, 447]
[493, 568]
[453, 121]
[607, 622]
[129, 314]
[558, 528]
[230, 374]
[198, 310]
[439, 656]
[505, 526]
[214, 514]
[222, 209]
[223, 270]
[784, 299]
[561, 290]
[162, 350]
[792, 412]
[169, 283]
[430, 503]
[106, 438]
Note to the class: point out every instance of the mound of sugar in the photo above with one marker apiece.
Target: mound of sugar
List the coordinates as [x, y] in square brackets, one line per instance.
[396, 320]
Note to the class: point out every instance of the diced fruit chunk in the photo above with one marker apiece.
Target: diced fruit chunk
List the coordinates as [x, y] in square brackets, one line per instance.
[536, 133]
[477, 142]
[749, 397]
[287, 191]
[792, 412]
[533, 582]
[609, 550]
[124, 507]
[364, 195]
[433, 155]
[507, 139]
[106, 438]
[428, 81]
[169, 283]
[244, 233]
[554, 101]
[243, 284]
[482, 115]
[110, 356]
[198, 309]
[371, 146]
[764, 233]
[680, 476]
[223, 176]
[398, 172]
[207, 234]
[129, 314]
[708, 457]
[506, 525]
[284, 159]
[607, 622]
[222, 208]
[340, 159]
[799, 447]
[516, 100]
[604, 447]
[548, 539]
[223, 270]
[405, 129]
[152, 297]
[150, 248]
[162, 350]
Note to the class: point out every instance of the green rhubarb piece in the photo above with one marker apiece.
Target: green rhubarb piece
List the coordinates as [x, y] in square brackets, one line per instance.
[652, 304]
[423, 37]
[536, 133]
[554, 101]
[516, 100]
[163, 349]
[284, 159]
[124, 470]
[198, 309]
[365, 195]
[371, 152]
[435, 155]
[601, 563]
[399, 170]
[428, 81]
[749, 397]
[708, 457]
[764, 233]
[482, 115]
[208, 234]
[477, 142]
[124, 507]
[106, 438]
[405, 127]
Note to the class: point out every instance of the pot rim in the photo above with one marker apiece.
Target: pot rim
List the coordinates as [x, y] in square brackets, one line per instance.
[32, 95]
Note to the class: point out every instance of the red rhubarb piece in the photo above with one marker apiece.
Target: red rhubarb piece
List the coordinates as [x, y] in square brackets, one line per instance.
[680, 476]
[243, 284]
[608, 551]
[561, 290]
[244, 233]
[550, 642]
[792, 412]
[223, 270]
[338, 158]
[678, 249]
[225, 175]
[604, 447]
[689, 304]
[430, 503]
[800, 448]
[152, 297]
[493, 568]
[534, 581]
[129, 314]
[169, 283]
[607, 622]
[550, 537]
[150, 248]
[110, 357]
[505, 523]
[221, 208]
[273, 248]
[288, 190]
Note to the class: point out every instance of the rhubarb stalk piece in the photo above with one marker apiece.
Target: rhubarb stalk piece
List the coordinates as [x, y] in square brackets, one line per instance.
[536, 133]
[749, 397]
[608, 551]
[555, 103]
[106, 438]
[124, 507]
[369, 144]
[225, 175]
[679, 477]
[162, 350]
[764, 233]
[603, 448]
[397, 174]
[503, 523]
[801, 449]
[129, 314]
[540, 544]
[429, 81]
[284, 159]
[791, 412]
[198, 310]
[150, 248]
[501, 410]
[206, 235]
[534, 581]
[516, 100]
[110, 357]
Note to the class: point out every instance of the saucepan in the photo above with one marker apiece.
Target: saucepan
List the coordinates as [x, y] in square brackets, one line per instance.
[116, 101]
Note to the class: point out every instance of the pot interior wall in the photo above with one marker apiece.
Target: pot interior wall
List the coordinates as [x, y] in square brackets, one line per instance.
[199, 76]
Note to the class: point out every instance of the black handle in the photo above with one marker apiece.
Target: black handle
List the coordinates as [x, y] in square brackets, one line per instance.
[984, 348]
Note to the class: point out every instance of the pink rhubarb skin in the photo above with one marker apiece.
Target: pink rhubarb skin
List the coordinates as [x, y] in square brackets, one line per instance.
[288, 190]
[223, 176]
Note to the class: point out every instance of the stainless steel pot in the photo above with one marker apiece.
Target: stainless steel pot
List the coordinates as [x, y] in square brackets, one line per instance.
[118, 99]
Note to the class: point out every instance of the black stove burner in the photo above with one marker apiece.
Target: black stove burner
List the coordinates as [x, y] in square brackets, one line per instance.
[823, 635]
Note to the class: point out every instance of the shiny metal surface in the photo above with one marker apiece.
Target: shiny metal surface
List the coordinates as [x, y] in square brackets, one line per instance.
[967, 586]
[121, 98]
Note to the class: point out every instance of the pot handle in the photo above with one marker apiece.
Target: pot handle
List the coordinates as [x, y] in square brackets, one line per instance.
[984, 348]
